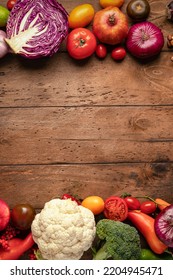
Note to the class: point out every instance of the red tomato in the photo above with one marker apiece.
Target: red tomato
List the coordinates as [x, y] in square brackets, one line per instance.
[10, 4]
[132, 203]
[118, 53]
[81, 43]
[101, 51]
[115, 208]
[148, 207]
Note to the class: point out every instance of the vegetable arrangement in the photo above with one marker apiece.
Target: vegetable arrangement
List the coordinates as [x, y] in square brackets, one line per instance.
[67, 227]
[37, 28]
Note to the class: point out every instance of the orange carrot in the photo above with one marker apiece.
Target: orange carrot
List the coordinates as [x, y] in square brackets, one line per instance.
[161, 204]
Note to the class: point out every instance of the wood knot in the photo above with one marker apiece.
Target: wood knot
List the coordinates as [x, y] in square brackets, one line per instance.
[138, 123]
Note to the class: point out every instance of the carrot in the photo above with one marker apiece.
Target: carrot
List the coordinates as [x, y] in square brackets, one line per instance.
[161, 204]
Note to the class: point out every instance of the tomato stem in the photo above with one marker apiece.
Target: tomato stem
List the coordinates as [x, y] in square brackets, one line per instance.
[81, 41]
[147, 197]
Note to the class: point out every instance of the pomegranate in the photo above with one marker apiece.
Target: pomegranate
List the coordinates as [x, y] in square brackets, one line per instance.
[110, 25]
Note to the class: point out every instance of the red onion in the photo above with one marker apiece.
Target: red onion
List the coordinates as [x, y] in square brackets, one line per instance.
[164, 225]
[144, 40]
[4, 49]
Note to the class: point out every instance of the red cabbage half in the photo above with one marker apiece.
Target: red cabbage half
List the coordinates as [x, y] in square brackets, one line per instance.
[36, 28]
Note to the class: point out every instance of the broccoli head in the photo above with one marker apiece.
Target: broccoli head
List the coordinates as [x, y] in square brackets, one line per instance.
[118, 241]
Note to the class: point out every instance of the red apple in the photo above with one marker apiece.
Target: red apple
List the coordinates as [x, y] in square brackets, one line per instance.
[110, 25]
[4, 214]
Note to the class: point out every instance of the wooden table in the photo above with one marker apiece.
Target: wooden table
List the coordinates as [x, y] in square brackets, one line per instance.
[94, 127]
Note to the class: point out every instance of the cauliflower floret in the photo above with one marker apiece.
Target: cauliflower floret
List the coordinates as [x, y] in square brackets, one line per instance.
[63, 230]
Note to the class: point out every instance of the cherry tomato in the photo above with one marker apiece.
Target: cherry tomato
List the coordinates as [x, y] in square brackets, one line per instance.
[148, 207]
[118, 53]
[132, 203]
[68, 196]
[94, 203]
[22, 216]
[115, 208]
[10, 4]
[81, 43]
[113, 3]
[81, 16]
[101, 51]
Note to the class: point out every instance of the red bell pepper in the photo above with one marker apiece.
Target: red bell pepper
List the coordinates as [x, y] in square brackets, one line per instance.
[17, 247]
[145, 224]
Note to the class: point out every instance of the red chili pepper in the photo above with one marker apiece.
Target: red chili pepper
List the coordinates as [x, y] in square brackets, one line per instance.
[145, 224]
[68, 196]
[17, 247]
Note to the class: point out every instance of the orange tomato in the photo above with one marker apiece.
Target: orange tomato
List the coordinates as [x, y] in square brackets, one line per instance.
[94, 203]
[81, 16]
[113, 3]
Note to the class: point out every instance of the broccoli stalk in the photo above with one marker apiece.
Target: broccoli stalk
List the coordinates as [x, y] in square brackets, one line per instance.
[102, 253]
[118, 241]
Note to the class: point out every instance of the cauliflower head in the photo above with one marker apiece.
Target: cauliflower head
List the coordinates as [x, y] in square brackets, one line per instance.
[63, 230]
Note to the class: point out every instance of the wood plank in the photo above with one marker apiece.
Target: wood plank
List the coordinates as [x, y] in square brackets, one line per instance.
[85, 135]
[57, 82]
[38, 184]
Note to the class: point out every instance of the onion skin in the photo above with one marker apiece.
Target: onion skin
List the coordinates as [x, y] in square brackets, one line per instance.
[144, 40]
[164, 226]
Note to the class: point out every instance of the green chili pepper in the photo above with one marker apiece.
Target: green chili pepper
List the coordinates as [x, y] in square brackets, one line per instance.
[147, 254]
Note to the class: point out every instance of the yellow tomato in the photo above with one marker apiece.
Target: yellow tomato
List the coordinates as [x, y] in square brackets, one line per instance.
[114, 3]
[81, 16]
[94, 203]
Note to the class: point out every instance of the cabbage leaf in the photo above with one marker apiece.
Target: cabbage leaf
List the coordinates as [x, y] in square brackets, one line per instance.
[36, 28]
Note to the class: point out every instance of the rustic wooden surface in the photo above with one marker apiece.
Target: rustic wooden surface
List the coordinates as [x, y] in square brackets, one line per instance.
[87, 127]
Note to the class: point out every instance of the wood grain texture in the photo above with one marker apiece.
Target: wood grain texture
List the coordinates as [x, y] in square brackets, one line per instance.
[87, 127]
[40, 183]
[86, 134]
[50, 83]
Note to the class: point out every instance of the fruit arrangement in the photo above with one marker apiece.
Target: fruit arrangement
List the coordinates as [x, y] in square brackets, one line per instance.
[84, 30]
[66, 227]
